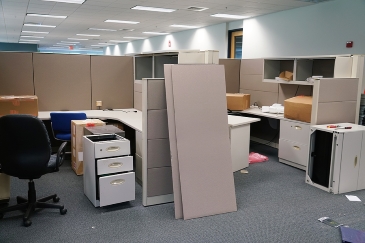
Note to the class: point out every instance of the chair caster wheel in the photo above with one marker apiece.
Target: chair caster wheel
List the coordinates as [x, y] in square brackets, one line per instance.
[63, 211]
[27, 223]
[56, 199]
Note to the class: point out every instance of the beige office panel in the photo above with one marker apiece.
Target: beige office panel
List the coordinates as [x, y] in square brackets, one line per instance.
[62, 82]
[287, 91]
[16, 73]
[157, 126]
[112, 81]
[173, 143]
[261, 97]
[138, 86]
[156, 98]
[335, 112]
[341, 89]
[232, 74]
[254, 82]
[137, 100]
[158, 152]
[159, 181]
[204, 158]
[252, 66]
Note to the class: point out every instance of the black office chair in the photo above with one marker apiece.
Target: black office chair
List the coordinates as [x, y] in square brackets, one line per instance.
[25, 152]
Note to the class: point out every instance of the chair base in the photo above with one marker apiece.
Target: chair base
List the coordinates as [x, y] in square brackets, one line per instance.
[29, 205]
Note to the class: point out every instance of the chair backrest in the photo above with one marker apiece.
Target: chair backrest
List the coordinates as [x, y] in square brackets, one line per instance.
[25, 148]
[61, 121]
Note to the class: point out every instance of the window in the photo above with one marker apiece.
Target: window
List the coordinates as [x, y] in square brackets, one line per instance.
[235, 44]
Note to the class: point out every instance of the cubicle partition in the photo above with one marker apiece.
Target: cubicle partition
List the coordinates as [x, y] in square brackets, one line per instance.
[232, 73]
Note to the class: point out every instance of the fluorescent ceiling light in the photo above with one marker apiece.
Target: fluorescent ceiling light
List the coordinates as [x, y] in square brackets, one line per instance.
[70, 42]
[86, 35]
[40, 25]
[66, 1]
[120, 21]
[99, 45]
[31, 36]
[155, 33]
[23, 42]
[47, 16]
[27, 40]
[127, 29]
[229, 16]
[104, 43]
[164, 10]
[118, 41]
[184, 26]
[76, 39]
[34, 32]
[131, 37]
[67, 44]
[102, 29]
[197, 9]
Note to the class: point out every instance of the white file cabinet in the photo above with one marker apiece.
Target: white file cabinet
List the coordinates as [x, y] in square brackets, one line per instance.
[108, 170]
[293, 143]
[337, 158]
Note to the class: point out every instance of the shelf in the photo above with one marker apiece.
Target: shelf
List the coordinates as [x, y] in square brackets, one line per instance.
[272, 68]
[287, 82]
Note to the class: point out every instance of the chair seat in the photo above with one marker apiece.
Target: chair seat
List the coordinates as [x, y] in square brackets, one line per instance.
[63, 136]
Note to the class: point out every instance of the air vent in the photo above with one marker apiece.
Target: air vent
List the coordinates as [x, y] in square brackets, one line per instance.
[194, 8]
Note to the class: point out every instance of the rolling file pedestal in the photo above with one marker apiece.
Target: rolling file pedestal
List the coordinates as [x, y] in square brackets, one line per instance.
[108, 170]
[337, 158]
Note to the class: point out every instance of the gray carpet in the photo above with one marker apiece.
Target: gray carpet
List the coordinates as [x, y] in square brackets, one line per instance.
[274, 205]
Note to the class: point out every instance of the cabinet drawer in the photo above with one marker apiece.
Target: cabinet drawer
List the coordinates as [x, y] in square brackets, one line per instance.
[114, 165]
[112, 148]
[293, 151]
[116, 188]
[294, 131]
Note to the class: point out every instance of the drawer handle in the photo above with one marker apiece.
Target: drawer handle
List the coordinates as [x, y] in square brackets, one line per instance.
[296, 147]
[298, 128]
[117, 182]
[355, 161]
[112, 149]
[115, 165]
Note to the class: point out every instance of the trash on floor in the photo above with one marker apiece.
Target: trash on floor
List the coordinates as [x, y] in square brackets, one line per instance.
[351, 235]
[256, 158]
[244, 172]
[353, 198]
[330, 222]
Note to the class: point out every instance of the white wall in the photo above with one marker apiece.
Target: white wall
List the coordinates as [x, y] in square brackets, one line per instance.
[212, 37]
[320, 29]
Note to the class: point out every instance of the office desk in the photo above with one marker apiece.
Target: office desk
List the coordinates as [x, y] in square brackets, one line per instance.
[258, 112]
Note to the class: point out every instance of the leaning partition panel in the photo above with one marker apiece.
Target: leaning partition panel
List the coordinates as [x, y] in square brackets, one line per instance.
[62, 82]
[232, 74]
[112, 81]
[16, 73]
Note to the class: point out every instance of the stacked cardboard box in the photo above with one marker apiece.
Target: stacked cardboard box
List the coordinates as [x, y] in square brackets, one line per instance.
[24, 104]
[238, 102]
[77, 131]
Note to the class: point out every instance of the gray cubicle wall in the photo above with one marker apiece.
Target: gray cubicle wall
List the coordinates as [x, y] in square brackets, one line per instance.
[232, 73]
[143, 67]
[159, 62]
[62, 82]
[16, 73]
[112, 81]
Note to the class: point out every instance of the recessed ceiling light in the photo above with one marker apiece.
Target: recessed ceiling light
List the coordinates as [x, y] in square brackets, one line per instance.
[34, 32]
[118, 41]
[27, 40]
[120, 21]
[165, 10]
[198, 9]
[155, 33]
[47, 16]
[70, 42]
[229, 16]
[40, 25]
[126, 29]
[102, 29]
[184, 26]
[86, 35]
[76, 39]
[66, 1]
[31, 36]
[131, 37]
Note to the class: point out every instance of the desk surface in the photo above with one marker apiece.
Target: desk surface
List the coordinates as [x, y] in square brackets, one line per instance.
[258, 112]
[130, 117]
[234, 121]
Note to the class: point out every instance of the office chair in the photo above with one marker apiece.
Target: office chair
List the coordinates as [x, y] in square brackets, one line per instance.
[61, 124]
[25, 151]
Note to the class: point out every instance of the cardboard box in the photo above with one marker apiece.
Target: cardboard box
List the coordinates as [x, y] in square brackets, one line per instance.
[286, 75]
[77, 131]
[238, 102]
[298, 108]
[24, 104]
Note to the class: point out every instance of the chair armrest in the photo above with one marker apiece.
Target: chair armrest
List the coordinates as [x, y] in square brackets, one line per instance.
[60, 155]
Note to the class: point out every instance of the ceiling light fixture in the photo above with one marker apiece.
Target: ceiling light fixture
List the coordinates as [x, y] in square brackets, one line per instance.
[40, 25]
[229, 16]
[66, 1]
[67, 44]
[99, 45]
[164, 10]
[118, 41]
[47, 16]
[70, 42]
[86, 35]
[76, 39]
[23, 42]
[131, 37]
[31, 36]
[184, 26]
[102, 29]
[126, 29]
[34, 32]
[27, 40]
[197, 9]
[155, 33]
[120, 21]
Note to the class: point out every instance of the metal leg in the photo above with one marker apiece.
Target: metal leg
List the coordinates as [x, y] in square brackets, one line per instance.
[48, 205]
[13, 208]
[45, 199]
[21, 199]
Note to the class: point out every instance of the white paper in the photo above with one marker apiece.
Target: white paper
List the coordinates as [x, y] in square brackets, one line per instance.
[353, 198]
[81, 156]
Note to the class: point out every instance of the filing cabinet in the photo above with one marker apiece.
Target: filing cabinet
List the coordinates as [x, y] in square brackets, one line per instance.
[108, 170]
[293, 143]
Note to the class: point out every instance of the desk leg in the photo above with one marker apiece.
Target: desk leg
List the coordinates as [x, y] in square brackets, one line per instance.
[240, 145]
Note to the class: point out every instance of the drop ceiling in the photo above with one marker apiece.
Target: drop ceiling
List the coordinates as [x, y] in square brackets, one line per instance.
[93, 13]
